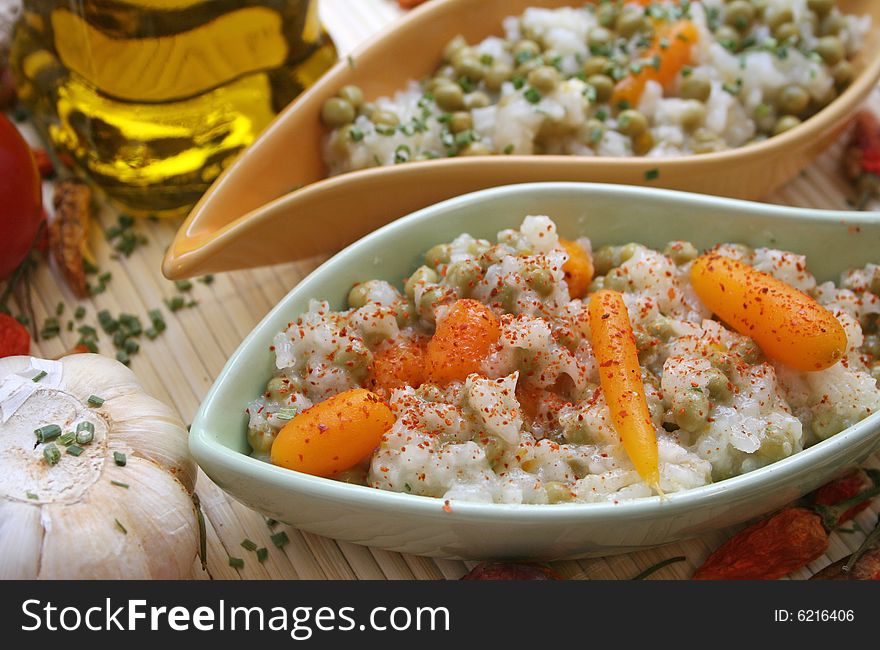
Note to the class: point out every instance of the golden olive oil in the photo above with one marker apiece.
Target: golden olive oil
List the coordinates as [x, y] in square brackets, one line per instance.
[153, 98]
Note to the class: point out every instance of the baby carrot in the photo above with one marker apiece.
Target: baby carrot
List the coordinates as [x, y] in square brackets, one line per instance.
[664, 60]
[333, 435]
[787, 324]
[396, 364]
[462, 339]
[614, 346]
[578, 269]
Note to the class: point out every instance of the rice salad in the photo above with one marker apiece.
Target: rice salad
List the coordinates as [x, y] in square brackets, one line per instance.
[610, 78]
[528, 422]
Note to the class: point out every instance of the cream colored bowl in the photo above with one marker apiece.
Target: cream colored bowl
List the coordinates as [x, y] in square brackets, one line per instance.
[608, 214]
[274, 204]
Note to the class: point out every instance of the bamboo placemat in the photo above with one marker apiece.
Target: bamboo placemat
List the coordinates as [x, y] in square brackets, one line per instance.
[179, 367]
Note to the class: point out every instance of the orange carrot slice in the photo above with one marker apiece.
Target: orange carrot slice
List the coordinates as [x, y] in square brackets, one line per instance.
[614, 346]
[578, 269]
[671, 50]
[333, 435]
[787, 324]
[396, 364]
[461, 341]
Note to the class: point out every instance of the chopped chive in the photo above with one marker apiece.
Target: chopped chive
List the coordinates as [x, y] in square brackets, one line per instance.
[271, 523]
[652, 174]
[80, 313]
[36, 378]
[107, 322]
[48, 432]
[75, 450]
[119, 484]
[121, 527]
[532, 96]
[85, 433]
[209, 279]
[94, 400]
[31, 495]
[175, 303]
[67, 439]
[262, 554]
[183, 285]
[119, 458]
[286, 413]
[123, 357]
[249, 545]
[236, 562]
[51, 454]
[280, 539]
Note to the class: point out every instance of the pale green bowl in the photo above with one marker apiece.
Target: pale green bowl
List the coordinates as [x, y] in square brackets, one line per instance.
[832, 241]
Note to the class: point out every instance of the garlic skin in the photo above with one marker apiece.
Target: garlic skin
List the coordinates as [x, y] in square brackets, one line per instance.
[66, 521]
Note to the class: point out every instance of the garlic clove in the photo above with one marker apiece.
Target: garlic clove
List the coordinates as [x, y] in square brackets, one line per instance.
[84, 540]
[161, 516]
[21, 536]
[143, 423]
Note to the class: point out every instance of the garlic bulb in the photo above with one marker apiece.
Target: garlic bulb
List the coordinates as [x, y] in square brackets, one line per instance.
[122, 507]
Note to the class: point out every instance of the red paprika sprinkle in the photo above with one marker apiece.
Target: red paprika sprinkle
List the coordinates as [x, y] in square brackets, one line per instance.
[769, 549]
[14, 337]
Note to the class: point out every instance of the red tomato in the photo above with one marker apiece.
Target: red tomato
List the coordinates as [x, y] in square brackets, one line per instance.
[21, 202]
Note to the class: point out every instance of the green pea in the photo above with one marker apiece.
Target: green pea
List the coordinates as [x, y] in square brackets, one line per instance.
[596, 65]
[642, 143]
[385, 118]
[470, 67]
[463, 276]
[632, 123]
[843, 74]
[430, 299]
[604, 260]
[477, 99]
[606, 14]
[541, 280]
[261, 440]
[460, 121]
[628, 251]
[693, 114]
[475, 149]
[449, 97]
[827, 421]
[775, 445]
[821, 7]
[359, 295]
[871, 345]
[719, 386]
[367, 109]
[728, 36]
[524, 68]
[603, 85]
[739, 14]
[438, 255]
[453, 47]
[599, 36]
[681, 252]
[527, 47]
[355, 360]
[629, 22]
[690, 409]
[497, 75]
[830, 48]
[353, 95]
[706, 141]
[696, 86]
[337, 112]
[278, 388]
[661, 328]
[832, 25]
[776, 18]
[785, 123]
[787, 33]
[592, 132]
[793, 99]
[422, 275]
[545, 79]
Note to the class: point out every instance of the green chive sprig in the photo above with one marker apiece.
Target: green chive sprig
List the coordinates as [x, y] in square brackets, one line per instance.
[51, 454]
[48, 432]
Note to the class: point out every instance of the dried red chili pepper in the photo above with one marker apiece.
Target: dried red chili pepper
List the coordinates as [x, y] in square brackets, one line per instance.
[510, 571]
[14, 337]
[769, 549]
[861, 159]
[845, 488]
